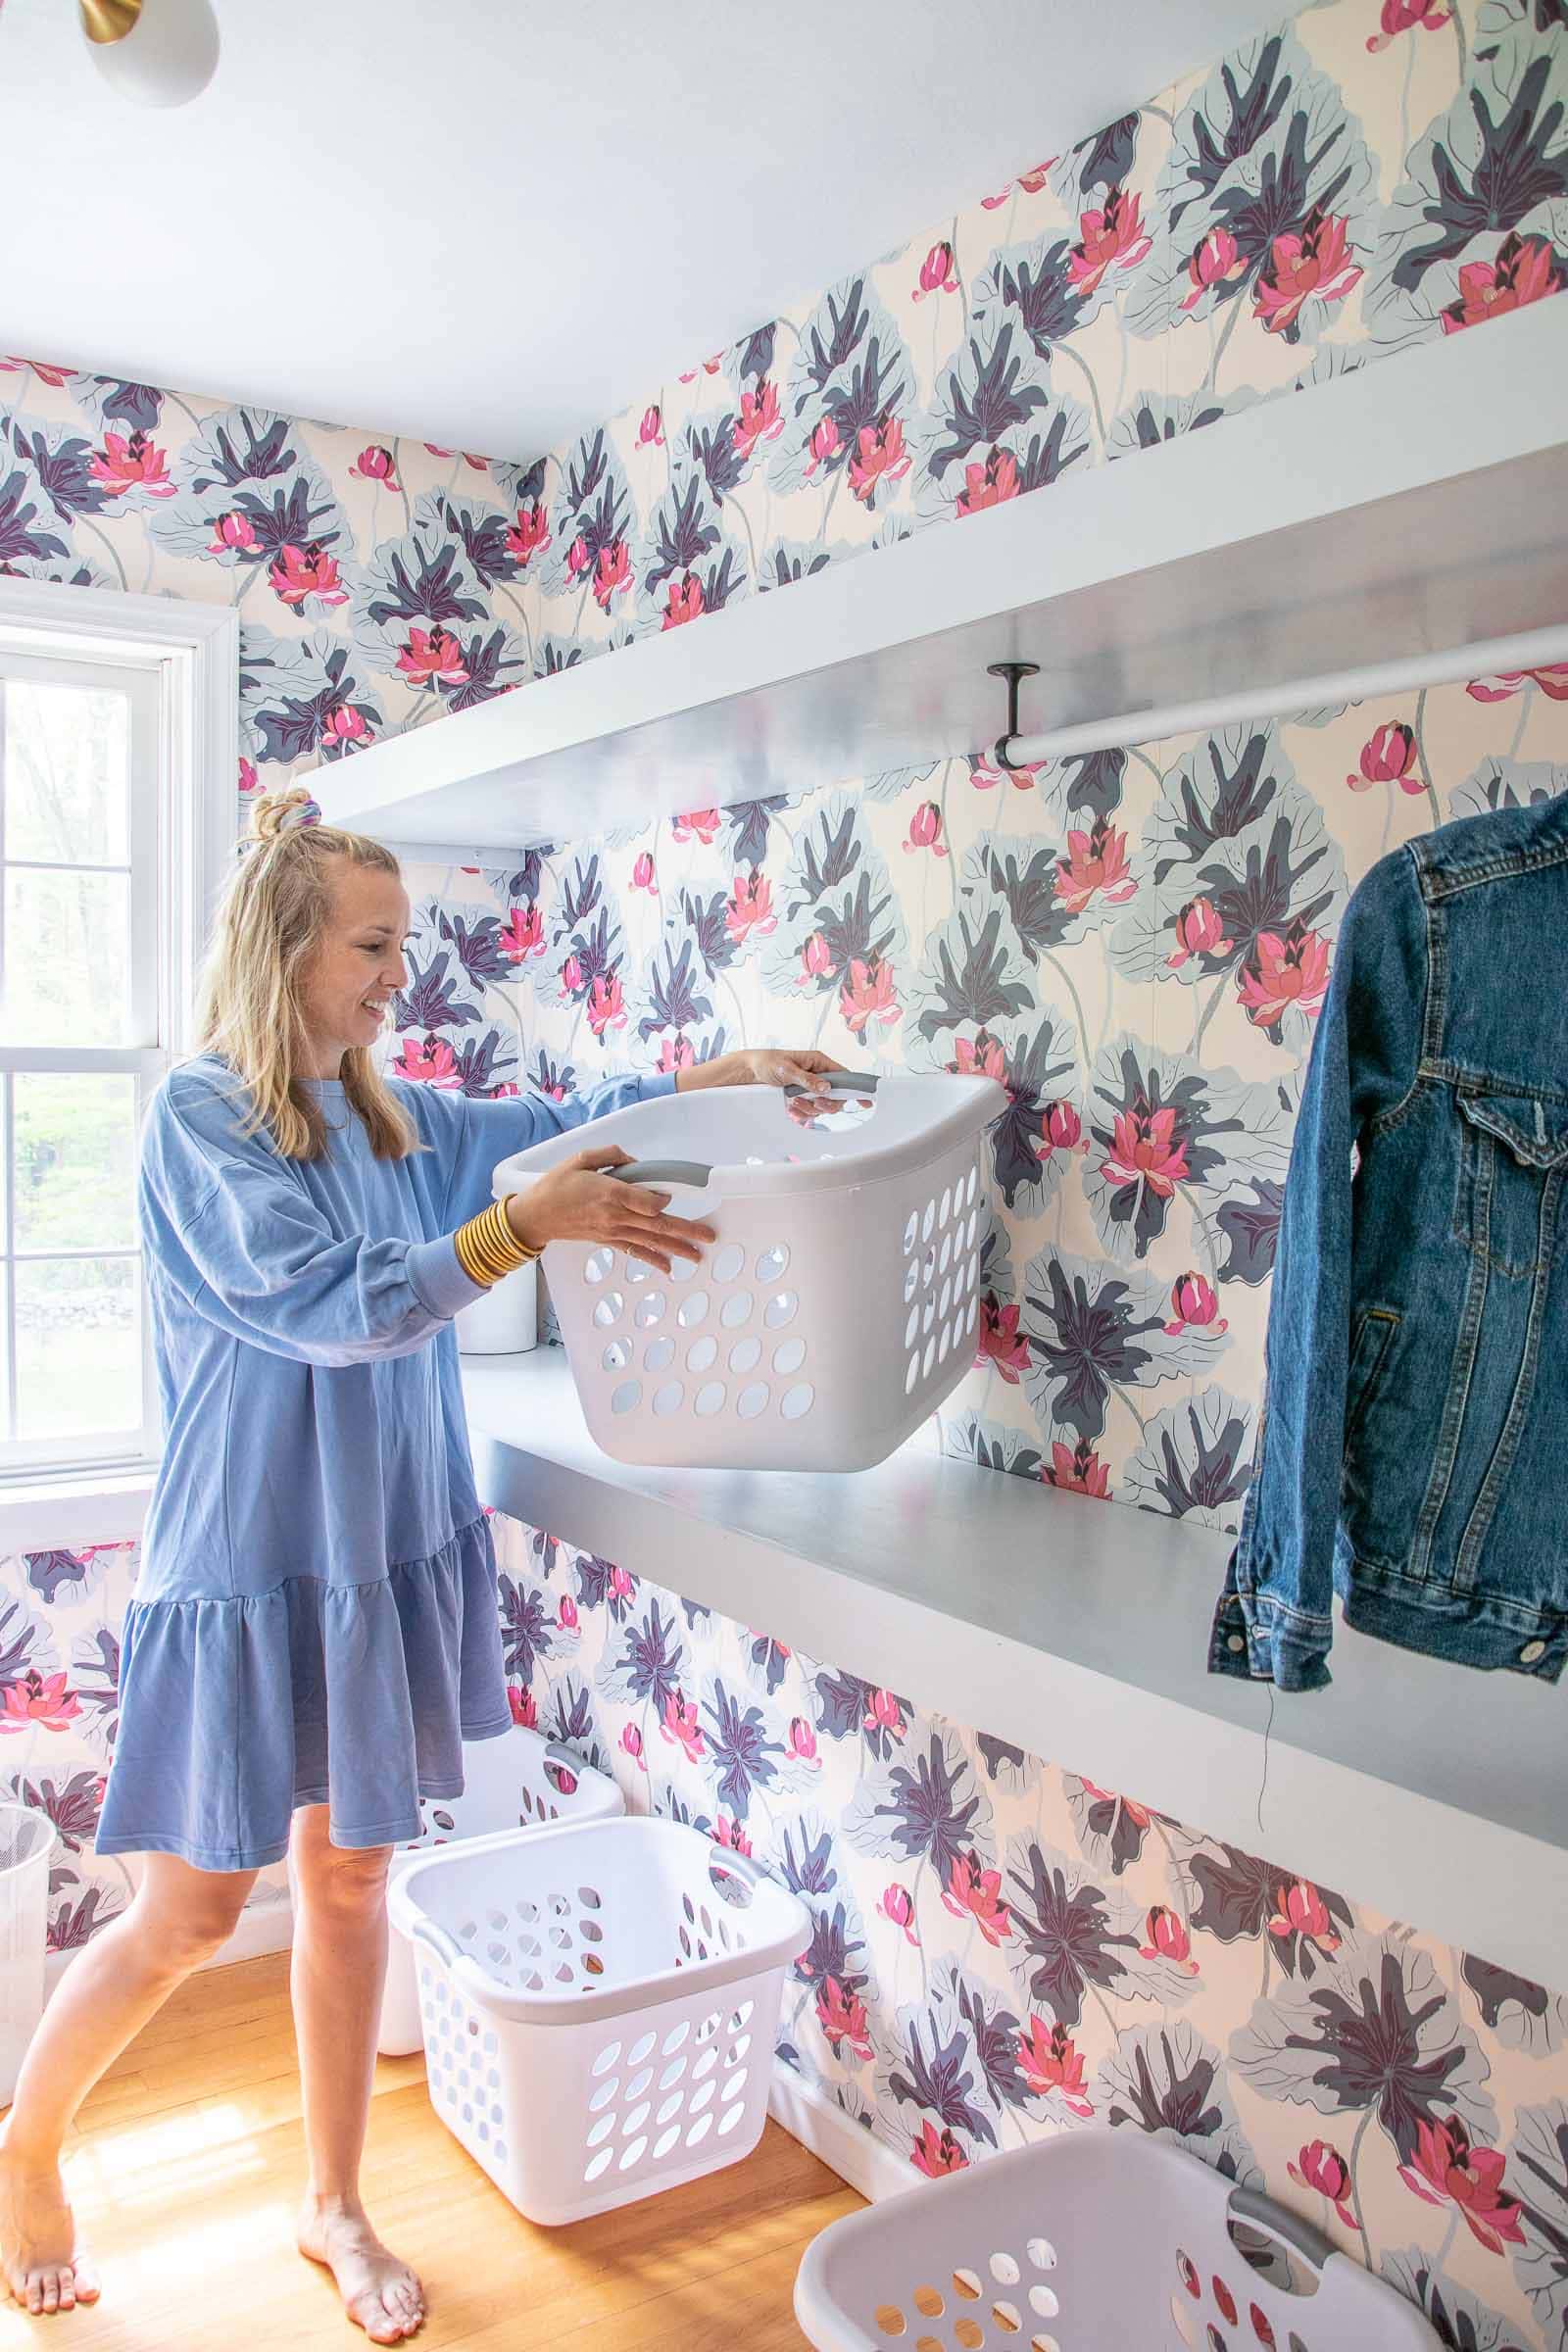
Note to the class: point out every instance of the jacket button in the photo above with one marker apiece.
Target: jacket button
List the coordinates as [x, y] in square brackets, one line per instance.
[1234, 1643]
[1531, 1651]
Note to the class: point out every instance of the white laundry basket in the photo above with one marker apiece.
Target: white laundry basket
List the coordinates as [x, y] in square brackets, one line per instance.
[1096, 2241]
[837, 1306]
[600, 2005]
[519, 1781]
[27, 1843]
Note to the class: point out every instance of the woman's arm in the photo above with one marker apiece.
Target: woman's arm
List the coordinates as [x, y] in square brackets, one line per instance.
[473, 1133]
[232, 1227]
[485, 1132]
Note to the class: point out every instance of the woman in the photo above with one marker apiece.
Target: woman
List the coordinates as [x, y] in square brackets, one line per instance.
[314, 1631]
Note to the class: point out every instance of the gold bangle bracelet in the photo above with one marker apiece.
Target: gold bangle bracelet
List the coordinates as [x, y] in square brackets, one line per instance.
[483, 1268]
[487, 1248]
[519, 1253]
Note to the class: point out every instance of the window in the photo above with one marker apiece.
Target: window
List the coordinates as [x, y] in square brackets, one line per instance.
[114, 713]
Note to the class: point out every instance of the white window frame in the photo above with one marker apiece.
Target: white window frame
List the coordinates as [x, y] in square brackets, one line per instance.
[77, 1492]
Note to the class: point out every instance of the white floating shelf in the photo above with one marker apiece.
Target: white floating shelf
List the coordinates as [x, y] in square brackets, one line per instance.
[1413, 506]
[1079, 1633]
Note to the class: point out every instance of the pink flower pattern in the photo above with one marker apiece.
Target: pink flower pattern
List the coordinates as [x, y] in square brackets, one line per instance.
[1286, 303]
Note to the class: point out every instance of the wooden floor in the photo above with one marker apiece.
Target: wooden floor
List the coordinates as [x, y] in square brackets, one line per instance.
[186, 2168]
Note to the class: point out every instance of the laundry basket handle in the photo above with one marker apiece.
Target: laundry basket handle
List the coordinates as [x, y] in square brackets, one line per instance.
[840, 1082]
[740, 1866]
[664, 1171]
[1277, 2221]
[445, 1947]
[566, 1759]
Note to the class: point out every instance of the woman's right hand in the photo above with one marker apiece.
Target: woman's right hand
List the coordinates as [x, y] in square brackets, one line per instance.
[578, 1203]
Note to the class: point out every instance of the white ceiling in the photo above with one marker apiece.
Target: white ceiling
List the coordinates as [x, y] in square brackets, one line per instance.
[489, 226]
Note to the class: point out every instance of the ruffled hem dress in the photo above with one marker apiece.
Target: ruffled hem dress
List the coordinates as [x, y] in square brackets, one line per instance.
[316, 1620]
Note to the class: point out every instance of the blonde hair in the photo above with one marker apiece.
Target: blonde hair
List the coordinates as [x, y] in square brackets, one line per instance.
[274, 910]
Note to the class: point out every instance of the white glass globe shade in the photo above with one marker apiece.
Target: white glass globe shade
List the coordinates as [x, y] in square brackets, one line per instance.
[167, 57]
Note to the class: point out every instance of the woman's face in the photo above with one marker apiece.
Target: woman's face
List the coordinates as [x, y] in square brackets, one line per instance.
[357, 965]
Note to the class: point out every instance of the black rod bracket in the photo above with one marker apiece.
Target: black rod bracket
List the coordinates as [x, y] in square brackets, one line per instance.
[1013, 672]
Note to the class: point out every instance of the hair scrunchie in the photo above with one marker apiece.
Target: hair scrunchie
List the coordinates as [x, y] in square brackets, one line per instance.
[275, 813]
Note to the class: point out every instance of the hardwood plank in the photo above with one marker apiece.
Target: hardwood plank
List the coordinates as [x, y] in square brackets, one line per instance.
[187, 2164]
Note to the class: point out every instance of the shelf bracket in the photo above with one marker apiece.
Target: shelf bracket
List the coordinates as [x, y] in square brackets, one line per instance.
[1013, 672]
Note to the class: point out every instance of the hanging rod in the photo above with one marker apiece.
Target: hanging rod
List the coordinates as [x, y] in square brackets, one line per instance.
[1535, 649]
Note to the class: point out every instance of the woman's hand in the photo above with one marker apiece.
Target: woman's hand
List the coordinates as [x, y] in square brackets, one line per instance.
[578, 1203]
[766, 1065]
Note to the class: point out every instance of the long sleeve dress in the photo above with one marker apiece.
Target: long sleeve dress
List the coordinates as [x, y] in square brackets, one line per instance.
[316, 1618]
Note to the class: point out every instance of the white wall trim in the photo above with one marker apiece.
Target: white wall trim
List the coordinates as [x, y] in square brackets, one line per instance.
[197, 646]
[106, 621]
[65, 1514]
[812, 2118]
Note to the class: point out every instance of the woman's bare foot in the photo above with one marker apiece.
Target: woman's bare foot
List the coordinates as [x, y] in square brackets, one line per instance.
[45, 2269]
[380, 2294]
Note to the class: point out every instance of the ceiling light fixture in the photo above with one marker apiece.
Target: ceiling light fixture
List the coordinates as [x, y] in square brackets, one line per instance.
[157, 52]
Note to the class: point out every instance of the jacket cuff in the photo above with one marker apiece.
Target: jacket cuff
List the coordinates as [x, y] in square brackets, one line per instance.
[437, 1278]
[1255, 1642]
[656, 1084]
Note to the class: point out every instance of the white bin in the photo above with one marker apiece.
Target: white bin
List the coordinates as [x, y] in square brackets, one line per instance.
[600, 2006]
[27, 1843]
[837, 1306]
[506, 1320]
[520, 1780]
[1096, 2241]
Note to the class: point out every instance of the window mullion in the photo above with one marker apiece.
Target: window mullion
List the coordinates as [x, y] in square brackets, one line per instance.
[148, 927]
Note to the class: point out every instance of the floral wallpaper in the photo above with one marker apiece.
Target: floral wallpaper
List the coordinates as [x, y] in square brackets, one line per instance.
[1136, 942]
[1362, 178]
[1000, 1950]
[309, 530]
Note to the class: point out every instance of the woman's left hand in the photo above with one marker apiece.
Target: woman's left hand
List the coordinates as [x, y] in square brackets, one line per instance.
[765, 1065]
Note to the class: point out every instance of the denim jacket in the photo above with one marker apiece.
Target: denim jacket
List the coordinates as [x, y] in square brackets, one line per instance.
[1414, 1452]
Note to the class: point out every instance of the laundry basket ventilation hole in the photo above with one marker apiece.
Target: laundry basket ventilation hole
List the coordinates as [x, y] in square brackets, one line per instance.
[461, 2064]
[1257, 2329]
[535, 1952]
[730, 1306]
[965, 2289]
[939, 1246]
[688, 2086]
[439, 1824]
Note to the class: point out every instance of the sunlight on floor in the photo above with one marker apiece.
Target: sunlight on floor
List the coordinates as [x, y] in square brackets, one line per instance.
[194, 2152]
[222, 2246]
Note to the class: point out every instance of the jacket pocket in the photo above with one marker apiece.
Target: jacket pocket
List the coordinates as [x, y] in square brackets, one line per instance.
[1375, 1328]
[1510, 1147]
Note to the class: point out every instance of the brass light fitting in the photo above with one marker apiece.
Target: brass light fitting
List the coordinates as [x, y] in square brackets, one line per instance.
[153, 52]
[106, 20]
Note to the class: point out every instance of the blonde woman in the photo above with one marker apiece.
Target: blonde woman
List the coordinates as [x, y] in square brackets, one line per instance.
[314, 1631]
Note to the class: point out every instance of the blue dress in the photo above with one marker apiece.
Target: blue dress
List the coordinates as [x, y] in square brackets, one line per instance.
[316, 1618]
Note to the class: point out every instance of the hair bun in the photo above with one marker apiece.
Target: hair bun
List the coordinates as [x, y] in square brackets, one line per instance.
[275, 813]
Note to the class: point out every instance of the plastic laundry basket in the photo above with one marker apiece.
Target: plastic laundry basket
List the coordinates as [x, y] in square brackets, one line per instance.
[838, 1305]
[1096, 2241]
[600, 2005]
[520, 1780]
[27, 1843]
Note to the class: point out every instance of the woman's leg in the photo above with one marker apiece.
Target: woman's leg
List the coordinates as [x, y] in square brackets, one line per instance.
[339, 1969]
[179, 1918]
